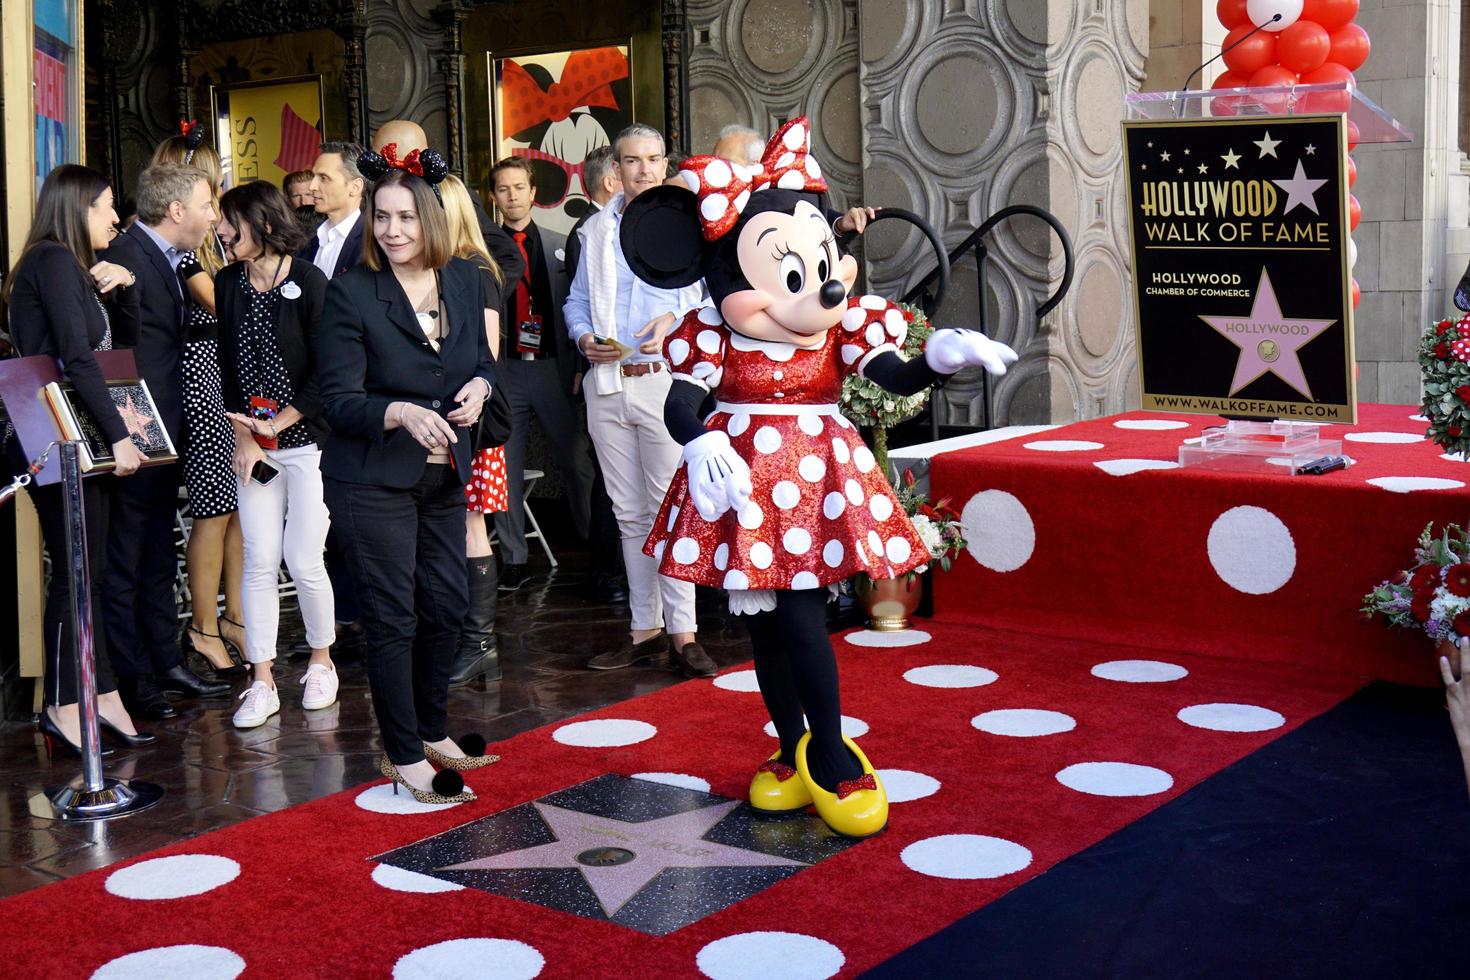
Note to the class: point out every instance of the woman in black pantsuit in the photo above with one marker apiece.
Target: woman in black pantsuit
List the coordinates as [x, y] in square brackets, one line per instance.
[55, 297]
[404, 372]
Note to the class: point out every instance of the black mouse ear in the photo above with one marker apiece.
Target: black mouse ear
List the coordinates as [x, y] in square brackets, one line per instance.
[661, 237]
[436, 168]
[372, 165]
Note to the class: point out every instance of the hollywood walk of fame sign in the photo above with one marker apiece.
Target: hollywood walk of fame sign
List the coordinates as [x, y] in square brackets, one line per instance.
[1241, 272]
[640, 854]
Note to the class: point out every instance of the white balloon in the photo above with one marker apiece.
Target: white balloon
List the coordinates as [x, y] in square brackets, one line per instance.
[1261, 12]
[1352, 253]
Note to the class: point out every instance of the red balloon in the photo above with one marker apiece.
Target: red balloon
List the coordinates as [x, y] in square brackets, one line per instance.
[1355, 212]
[1331, 14]
[1354, 135]
[1304, 46]
[1350, 47]
[1329, 101]
[1232, 13]
[1226, 105]
[1273, 75]
[1253, 54]
[1352, 168]
[1357, 295]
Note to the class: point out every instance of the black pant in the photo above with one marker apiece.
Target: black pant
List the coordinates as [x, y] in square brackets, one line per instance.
[138, 599]
[405, 550]
[604, 540]
[60, 639]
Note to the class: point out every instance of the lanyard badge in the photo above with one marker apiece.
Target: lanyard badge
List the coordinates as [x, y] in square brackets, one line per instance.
[265, 410]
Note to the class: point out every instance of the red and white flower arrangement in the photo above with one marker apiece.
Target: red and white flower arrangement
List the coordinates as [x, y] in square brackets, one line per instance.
[1444, 361]
[1432, 595]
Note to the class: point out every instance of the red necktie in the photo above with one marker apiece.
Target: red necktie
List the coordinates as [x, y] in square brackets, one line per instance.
[523, 288]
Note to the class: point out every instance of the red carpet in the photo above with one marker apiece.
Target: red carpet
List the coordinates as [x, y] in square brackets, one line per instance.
[1262, 567]
[304, 901]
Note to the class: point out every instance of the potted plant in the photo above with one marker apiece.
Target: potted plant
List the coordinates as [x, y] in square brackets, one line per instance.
[1444, 363]
[890, 602]
[868, 405]
[1433, 594]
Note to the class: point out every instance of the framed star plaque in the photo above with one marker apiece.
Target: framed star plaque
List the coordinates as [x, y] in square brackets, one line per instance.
[135, 405]
[1242, 266]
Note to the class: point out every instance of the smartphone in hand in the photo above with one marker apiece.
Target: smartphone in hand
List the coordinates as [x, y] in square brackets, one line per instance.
[263, 473]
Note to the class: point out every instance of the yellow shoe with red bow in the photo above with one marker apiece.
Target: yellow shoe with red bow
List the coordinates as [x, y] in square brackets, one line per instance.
[859, 808]
[776, 787]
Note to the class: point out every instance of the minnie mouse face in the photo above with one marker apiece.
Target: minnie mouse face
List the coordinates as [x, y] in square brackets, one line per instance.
[796, 280]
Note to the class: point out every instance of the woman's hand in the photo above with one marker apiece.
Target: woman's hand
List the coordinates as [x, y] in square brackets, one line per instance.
[129, 457]
[246, 455]
[471, 399]
[109, 276]
[265, 428]
[428, 428]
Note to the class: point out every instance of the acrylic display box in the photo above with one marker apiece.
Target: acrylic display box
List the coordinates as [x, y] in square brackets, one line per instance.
[1261, 447]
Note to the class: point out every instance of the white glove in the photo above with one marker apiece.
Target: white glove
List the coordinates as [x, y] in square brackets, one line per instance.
[949, 351]
[719, 480]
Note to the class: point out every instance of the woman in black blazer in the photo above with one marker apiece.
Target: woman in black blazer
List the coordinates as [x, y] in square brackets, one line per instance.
[405, 370]
[269, 307]
[55, 297]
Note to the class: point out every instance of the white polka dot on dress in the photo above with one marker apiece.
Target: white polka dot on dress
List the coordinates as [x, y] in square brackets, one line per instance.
[834, 505]
[863, 459]
[797, 541]
[809, 422]
[833, 553]
[761, 555]
[840, 452]
[880, 507]
[767, 439]
[786, 495]
[854, 491]
[708, 341]
[811, 469]
[722, 557]
[751, 516]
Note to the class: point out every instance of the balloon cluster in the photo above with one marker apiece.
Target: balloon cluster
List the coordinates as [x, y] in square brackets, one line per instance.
[1300, 42]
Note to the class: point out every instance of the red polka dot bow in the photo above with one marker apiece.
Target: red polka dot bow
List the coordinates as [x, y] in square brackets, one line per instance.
[412, 163]
[723, 187]
[1461, 350]
[586, 80]
[850, 786]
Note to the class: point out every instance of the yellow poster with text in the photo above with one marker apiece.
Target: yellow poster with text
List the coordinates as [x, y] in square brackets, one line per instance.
[274, 129]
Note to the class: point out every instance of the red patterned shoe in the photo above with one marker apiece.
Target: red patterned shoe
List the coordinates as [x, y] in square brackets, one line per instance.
[859, 808]
[777, 788]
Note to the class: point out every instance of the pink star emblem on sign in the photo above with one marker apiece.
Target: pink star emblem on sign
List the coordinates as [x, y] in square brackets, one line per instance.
[136, 420]
[1268, 341]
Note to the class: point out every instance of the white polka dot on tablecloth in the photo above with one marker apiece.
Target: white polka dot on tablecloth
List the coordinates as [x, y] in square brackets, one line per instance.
[400, 880]
[1023, 722]
[1222, 717]
[722, 557]
[1139, 671]
[763, 955]
[740, 681]
[1062, 445]
[739, 422]
[797, 540]
[840, 452]
[805, 580]
[833, 505]
[686, 551]
[785, 494]
[851, 727]
[176, 876]
[999, 532]
[767, 439]
[880, 507]
[761, 555]
[811, 469]
[471, 959]
[950, 676]
[1150, 425]
[751, 516]
[1418, 418]
[1127, 467]
[382, 799]
[1115, 779]
[1251, 550]
[678, 351]
[887, 639]
[680, 779]
[905, 785]
[1383, 438]
[1409, 484]
[1453, 458]
[604, 733]
[189, 960]
[966, 857]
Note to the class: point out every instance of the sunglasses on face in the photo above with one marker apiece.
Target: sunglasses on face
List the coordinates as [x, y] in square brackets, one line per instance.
[551, 174]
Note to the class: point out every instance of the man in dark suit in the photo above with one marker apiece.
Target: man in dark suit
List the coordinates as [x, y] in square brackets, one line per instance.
[337, 190]
[175, 213]
[539, 367]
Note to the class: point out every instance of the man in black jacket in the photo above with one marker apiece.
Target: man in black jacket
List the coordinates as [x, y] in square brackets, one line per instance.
[175, 212]
[337, 190]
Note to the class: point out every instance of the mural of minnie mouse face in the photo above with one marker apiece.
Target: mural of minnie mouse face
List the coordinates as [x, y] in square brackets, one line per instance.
[797, 278]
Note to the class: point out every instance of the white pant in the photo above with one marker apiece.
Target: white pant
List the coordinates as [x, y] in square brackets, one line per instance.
[286, 517]
[639, 459]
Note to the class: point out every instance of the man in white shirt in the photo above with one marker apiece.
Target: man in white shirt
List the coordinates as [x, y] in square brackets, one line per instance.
[337, 189]
[625, 409]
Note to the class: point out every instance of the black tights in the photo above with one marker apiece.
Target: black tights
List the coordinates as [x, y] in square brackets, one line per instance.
[797, 671]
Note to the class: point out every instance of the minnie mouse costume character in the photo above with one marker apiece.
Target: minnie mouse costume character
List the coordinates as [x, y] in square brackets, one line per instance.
[779, 498]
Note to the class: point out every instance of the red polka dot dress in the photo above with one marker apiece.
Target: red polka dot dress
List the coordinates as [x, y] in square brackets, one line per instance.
[485, 491]
[821, 510]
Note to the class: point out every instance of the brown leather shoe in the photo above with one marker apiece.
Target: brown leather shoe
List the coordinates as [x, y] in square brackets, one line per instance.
[630, 654]
[692, 661]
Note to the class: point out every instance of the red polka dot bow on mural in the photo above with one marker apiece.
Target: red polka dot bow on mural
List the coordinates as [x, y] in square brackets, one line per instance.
[723, 187]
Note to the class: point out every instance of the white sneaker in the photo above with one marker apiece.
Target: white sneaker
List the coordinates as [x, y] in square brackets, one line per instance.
[261, 701]
[321, 687]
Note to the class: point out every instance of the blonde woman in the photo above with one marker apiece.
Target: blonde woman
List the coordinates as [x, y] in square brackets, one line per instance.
[485, 493]
[216, 548]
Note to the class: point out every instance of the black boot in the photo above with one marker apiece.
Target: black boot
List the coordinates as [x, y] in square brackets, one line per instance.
[478, 653]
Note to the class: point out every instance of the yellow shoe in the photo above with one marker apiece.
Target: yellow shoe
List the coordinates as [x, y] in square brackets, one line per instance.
[776, 788]
[859, 808]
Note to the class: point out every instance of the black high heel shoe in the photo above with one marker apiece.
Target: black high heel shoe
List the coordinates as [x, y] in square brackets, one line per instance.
[135, 741]
[237, 649]
[52, 733]
[186, 645]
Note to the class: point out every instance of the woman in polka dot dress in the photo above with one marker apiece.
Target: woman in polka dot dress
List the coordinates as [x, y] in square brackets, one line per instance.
[778, 497]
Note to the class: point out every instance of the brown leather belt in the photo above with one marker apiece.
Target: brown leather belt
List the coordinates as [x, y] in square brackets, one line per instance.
[641, 368]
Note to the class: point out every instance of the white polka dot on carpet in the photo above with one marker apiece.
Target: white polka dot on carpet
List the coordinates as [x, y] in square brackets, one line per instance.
[950, 675]
[905, 786]
[741, 681]
[191, 961]
[382, 799]
[1023, 722]
[851, 727]
[966, 857]
[1453, 458]
[176, 876]
[471, 959]
[769, 955]
[999, 531]
[886, 639]
[682, 780]
[401, 880]
[604, 733]
[1251, 550]
[1115, 779]
[1223, 717]
[1139, 671]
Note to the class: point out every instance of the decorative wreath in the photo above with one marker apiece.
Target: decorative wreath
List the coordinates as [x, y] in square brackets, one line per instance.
[1444, 360]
